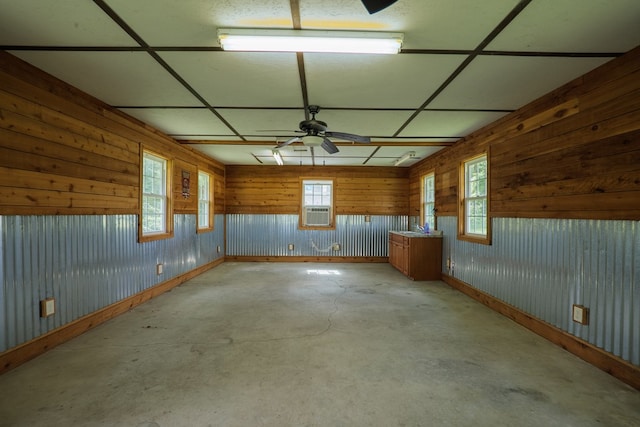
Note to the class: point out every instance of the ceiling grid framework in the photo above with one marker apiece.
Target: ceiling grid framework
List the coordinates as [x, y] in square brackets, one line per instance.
[463, 65]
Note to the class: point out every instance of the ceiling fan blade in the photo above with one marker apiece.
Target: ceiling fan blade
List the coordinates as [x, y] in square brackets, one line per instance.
[288, 142]
[374, 6]
[329, 146]
[279, 130]
[348, 136]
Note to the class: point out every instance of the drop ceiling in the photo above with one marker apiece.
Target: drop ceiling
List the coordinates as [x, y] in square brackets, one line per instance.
[464, 64]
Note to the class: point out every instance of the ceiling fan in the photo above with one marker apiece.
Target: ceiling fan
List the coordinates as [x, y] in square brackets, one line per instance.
[316, 134]
[374, 6]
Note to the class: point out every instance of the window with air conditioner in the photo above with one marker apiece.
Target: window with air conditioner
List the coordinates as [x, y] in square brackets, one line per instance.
[317, 204]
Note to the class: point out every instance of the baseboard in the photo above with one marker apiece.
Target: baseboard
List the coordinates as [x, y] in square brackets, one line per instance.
[16, 356]
[306, 259]
[619, 368]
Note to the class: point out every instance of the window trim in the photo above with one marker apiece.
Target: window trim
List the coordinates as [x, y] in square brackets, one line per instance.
[332, 221]
[462, 214]
[210, 200]
[423, 214]
[168, 229]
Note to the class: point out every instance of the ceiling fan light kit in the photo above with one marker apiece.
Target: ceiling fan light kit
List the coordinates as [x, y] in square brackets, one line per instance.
[312, 140]
[317, 134]
[322, 41]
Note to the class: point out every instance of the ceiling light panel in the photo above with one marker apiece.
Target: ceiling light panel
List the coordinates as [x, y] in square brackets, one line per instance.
[261, 40]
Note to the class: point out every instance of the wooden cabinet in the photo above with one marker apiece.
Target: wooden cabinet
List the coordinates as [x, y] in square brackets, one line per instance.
[417, 257]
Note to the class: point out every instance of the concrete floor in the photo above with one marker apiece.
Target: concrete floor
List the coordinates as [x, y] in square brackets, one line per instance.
[253, 344]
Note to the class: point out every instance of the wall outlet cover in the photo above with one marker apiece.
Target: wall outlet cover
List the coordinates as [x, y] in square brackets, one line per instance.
[580, 314]
[47, 307]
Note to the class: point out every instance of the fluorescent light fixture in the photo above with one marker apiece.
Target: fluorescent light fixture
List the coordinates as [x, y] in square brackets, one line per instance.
[278, 157]
[404, 158]
[262, 40]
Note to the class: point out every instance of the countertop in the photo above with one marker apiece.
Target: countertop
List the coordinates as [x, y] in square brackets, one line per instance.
[415, 234]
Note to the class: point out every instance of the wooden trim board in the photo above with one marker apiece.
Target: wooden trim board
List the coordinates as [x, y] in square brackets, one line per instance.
[619, 368]
[16, 356]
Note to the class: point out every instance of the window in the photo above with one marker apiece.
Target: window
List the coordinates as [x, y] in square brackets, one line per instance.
[473, 222]
[156, 198]
[428, 199]
[317, 204]
[205, 202]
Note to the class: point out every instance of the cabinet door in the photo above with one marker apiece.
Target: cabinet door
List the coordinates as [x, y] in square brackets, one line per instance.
[404, 258]
[395, 254]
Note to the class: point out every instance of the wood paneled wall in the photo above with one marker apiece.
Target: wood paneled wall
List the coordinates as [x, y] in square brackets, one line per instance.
[574, 153]
[64, 152]
[276, 189]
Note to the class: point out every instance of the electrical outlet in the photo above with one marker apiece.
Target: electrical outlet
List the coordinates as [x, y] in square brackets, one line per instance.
[159, 269]
[290, 246]
[47, 307]
[580, 314]
[367, 218]
[336, 247]
[218, 248]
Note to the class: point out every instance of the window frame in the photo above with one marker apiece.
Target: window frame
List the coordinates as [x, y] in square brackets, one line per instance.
[332, 210]
[463, 186]
[424, 215]
[167, 196]
[209, 202]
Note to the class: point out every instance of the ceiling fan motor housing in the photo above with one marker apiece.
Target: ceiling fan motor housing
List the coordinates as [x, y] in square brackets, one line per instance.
[313, 126]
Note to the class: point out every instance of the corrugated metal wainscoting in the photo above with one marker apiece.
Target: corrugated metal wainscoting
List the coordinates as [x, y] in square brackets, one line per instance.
[86, 263]
[270, 235]
[543, 266]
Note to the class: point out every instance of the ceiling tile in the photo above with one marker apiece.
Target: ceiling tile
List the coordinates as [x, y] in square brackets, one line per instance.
[195, 22]
[372, 95]
[59, 23]
[240, 154]
[173, 121]
[427, 24]
[498, 82]
[388, 155]
[241, 79]
[376, 81]
[117, 78]
[449, 123]
[573, 26]
[264, 123]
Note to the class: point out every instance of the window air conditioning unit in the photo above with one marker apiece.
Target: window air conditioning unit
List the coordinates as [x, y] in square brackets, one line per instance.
[317, 215]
